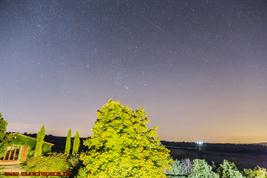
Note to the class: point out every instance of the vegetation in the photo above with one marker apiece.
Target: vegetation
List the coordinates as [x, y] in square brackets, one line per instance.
[201, 169]
[123, 146]
[229, 170]
[76, 144]
[75, 164]
[3, 125]
[257, 172]
[82, 173]
[68, 143]
[52, 163]
[39, 142]
[180, 169]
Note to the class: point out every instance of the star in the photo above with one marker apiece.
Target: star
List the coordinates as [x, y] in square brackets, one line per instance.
[126, 87]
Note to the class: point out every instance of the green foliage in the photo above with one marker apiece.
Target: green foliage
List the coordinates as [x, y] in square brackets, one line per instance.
[39, 142]
[201, 169]
[3, 142]
[123, 146]
[257, 172]
[76, 144]
[229, 170]
[68, 143]
[3, 125]
[180, 169]
[75, 164]
[51, 163]
[74, 160]
[82, 173]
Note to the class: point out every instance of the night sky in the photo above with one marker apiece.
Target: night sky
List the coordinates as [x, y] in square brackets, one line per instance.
[199, 68]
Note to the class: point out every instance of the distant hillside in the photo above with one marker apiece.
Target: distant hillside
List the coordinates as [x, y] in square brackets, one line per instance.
[243, 155]
[220, 147]
[263, 143]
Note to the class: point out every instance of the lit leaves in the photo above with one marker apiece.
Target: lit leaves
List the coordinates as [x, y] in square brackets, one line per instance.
[123, 146]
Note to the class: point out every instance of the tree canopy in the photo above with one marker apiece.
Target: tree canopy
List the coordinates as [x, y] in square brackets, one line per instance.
[229, 170]
[200, 168]
[123, 146]
[3, 125]
[257, 172]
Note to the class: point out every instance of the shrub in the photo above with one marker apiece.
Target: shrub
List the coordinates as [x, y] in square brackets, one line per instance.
[56, 162]
[123, 146]
[257, 172]
[75, 164]
[82, 173]
[229, 170]
[180, 169]
[201, 169]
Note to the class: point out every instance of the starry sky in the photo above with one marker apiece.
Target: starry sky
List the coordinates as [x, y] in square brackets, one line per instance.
[199, 67]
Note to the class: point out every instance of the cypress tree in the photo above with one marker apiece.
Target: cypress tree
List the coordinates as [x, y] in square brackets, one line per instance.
[68, 143]
[39, 142]
[76, 144]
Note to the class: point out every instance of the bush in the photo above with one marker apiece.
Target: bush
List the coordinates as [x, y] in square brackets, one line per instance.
[257, 172]
[82, 173]
[201, 169]
[229, 170]
[51, 163]
[180, 169]
[123, 146]
[75, 164]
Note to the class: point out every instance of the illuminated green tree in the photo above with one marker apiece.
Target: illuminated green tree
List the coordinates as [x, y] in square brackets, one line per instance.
[180, 169]
[39, 142]
[229, 170]
[76, 144]
[123, 146]
[257, 172]
[3, 125]
[68, 143]
[201, 169]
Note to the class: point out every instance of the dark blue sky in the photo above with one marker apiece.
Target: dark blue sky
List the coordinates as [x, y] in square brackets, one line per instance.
[199, 68]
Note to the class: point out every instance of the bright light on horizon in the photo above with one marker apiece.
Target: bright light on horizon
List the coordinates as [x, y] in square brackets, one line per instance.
[199, 143]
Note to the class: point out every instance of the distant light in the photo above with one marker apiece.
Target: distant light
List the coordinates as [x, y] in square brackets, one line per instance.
[199, 143]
